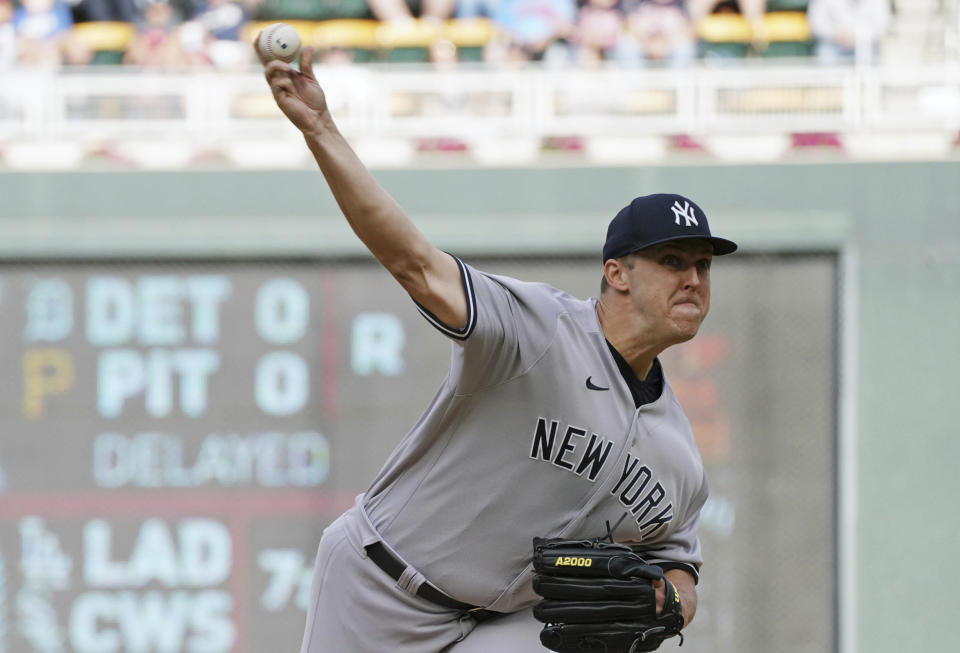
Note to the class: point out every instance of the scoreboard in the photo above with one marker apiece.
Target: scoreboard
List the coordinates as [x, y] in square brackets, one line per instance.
[176, 435]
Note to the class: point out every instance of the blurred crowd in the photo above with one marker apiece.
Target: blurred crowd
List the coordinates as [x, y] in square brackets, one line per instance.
[174, 33]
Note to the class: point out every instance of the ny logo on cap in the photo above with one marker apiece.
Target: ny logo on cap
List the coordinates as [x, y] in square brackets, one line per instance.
[685, 212]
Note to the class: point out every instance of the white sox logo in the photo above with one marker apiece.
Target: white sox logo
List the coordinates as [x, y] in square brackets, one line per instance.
[685, 212]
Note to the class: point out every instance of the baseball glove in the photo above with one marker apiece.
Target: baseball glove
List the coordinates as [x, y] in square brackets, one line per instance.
[599, 598]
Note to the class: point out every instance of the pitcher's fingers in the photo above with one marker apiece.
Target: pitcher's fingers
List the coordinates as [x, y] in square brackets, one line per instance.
[281, 84]
[278, 69]
[306, 62]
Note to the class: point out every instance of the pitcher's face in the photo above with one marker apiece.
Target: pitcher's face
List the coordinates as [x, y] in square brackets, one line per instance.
[670, 287]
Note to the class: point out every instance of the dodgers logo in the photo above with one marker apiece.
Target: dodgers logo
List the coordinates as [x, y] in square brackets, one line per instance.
[685, 212]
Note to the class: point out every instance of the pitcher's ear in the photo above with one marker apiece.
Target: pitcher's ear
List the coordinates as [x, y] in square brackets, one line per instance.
[614, 271]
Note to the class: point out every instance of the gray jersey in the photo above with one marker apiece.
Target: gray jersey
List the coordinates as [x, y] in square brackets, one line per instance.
[534, 433]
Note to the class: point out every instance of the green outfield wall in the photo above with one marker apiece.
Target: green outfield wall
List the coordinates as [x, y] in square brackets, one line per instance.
[895, 228]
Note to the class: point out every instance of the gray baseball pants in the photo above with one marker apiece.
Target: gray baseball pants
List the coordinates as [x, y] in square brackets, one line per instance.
[355, 607]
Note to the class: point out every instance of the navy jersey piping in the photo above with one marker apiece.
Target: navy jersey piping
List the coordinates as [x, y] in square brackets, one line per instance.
[463, 333]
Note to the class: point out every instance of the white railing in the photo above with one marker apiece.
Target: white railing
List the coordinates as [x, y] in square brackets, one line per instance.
[209, 109]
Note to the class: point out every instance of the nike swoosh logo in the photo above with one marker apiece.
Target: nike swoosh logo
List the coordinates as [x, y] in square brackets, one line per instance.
[591, 386]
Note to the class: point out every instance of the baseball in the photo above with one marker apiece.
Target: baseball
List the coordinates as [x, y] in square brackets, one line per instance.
[279, 41]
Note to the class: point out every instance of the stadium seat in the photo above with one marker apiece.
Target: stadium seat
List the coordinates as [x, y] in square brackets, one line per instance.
[788, 34]
[107, 40]
[724, 35]
[287, 10]
[345, 33]
[787, 5]
[359, 35]
[407, 41]
[470, 35]
[410, 41]
[373, 40]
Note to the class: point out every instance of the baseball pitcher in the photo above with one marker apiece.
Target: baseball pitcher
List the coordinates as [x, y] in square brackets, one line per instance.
[548, 497]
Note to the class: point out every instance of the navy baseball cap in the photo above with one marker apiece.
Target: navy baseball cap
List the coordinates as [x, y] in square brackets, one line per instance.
[660, 218]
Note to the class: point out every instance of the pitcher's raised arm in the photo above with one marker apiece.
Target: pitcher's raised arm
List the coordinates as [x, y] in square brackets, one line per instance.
[429, 275]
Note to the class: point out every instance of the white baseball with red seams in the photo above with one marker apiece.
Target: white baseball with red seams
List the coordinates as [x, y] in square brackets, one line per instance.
[279, 41]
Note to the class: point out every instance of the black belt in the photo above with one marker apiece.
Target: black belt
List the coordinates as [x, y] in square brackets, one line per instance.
[394, 567]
